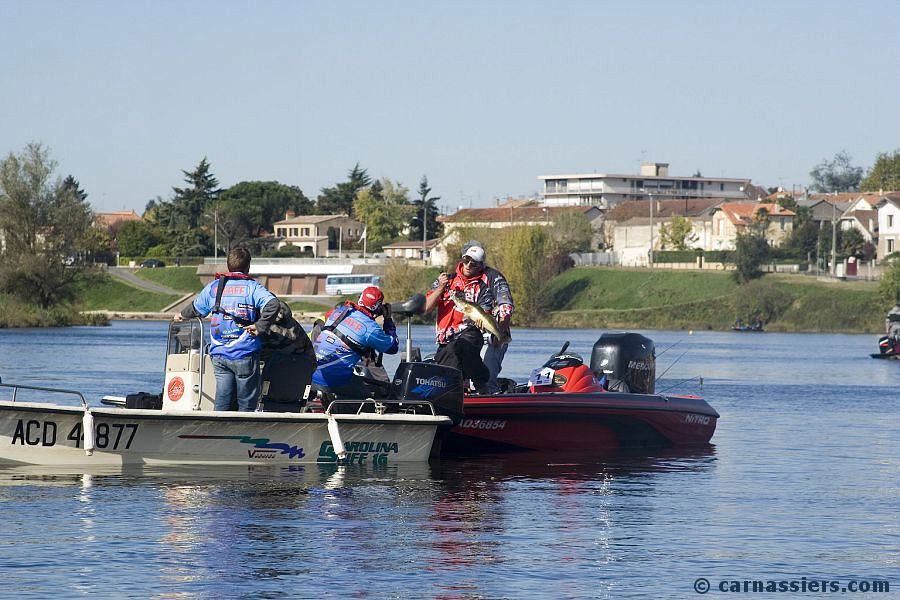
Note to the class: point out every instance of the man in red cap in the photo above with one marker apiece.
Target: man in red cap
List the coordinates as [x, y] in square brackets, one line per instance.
[350, 333]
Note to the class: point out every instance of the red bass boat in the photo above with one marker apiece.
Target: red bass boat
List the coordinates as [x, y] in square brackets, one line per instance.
[568, 406]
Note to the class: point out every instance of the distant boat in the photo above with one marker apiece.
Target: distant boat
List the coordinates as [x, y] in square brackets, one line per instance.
[757, 327]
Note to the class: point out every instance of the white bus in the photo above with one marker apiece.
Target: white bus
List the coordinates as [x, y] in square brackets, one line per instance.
[346, 285]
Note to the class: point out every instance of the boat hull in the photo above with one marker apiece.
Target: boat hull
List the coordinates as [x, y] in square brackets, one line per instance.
[580, 423]
[48, 434]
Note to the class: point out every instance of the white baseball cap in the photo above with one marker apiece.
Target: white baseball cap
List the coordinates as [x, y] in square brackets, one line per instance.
[476, 253]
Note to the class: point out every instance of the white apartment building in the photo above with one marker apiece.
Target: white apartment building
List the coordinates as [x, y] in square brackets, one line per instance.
[605, 191]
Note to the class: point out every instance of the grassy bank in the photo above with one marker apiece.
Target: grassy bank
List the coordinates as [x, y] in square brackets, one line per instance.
[103, 292]
[15, 313]
[183, 279]
[640, 298]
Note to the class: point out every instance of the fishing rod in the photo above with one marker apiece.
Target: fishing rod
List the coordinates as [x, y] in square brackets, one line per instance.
[670, 366]
[681, 382]
[669, 347]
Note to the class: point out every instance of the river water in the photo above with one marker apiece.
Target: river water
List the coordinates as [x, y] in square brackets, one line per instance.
[801, 481]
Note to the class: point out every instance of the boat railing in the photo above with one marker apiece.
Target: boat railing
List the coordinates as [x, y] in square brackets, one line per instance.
[17, 386]
[380, 405]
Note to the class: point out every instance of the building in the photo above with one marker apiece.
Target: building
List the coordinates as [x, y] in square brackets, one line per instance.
[888, 224]
[319, 234]
[409, 249]
[862, 216]
[508, 215]
[607, 190]
[729, 218]
[109, 220]
[628, 225]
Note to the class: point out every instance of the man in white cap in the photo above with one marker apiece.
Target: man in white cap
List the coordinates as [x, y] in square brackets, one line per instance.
[459, 340]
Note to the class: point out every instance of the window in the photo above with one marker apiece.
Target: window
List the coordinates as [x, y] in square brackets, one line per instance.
[304, 232]
[721, 187]
[781, 222]
[293, 232]
[890, 246]
[890, 220]
[281, 231]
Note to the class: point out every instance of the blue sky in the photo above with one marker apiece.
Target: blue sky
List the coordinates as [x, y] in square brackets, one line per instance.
[482, 97]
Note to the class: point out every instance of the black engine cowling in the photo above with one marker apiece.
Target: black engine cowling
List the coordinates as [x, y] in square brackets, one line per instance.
[628, 360]
[440, 385]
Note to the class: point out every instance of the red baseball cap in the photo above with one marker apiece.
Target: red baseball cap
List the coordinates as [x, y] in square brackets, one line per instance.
[371, 298]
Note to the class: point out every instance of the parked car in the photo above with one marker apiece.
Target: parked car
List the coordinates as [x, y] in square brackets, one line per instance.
[152, 263]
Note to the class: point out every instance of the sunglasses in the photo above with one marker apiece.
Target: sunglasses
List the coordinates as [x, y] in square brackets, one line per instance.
[468, 260]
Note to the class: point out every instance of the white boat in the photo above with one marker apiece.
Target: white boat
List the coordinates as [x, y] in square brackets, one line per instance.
[184, 430]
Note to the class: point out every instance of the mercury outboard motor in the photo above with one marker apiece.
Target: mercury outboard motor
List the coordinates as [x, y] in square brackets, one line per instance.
[440, 385]
[628, 360]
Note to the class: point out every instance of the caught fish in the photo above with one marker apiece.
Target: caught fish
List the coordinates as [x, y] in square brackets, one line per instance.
[480, 317]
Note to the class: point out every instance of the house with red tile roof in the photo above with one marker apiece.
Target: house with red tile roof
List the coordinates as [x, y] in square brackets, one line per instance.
[729, 218]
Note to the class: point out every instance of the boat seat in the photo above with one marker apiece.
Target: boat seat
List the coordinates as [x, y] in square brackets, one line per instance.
[285, 380]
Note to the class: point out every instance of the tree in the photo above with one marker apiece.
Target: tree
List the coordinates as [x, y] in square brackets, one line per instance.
[71, 184]
[338, 200]
[884, 174]
[384, 209]
[250, 209]
[522, 256]
[837, 175]
[135, 238]
[889, 286]
[676, 233]
[852, 243]
[425, 206]
[44, 223]
[192, 201]
[752, 249]
[570, 232]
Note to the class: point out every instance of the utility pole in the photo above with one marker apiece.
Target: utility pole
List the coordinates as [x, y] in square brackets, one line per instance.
[833, 240]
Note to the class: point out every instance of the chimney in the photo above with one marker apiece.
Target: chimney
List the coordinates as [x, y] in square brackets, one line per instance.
[289, 214]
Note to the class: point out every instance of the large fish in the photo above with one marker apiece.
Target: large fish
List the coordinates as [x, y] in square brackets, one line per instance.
[480, 317]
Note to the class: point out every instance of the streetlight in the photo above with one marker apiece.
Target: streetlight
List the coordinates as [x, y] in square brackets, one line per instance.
[650, 253]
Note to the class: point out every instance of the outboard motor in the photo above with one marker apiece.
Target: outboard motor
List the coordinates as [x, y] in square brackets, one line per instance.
[628, 360]
[440, 385]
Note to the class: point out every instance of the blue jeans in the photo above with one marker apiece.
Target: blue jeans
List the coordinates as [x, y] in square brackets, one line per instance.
[237, 383]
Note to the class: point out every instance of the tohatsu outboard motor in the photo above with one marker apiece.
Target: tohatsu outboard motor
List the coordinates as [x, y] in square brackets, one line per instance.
[628, 360]
[441, 386]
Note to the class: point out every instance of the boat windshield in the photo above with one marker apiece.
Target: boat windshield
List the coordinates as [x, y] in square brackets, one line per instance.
[186, 336]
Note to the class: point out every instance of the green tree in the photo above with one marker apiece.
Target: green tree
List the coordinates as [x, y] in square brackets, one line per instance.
[135, 238]
[192, 201]
[250, 209]
[889, 286]
[384, 209]
[884, 174]
[676, 233]
[71, 184]
[425, 206]
[570, 232]
[43, 224]
[751, 248]
[522, 256]
[852, 243]
[836, 175]
[338, 200]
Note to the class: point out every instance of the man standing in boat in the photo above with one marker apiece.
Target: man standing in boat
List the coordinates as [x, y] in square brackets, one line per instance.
[241, 308]
[350, 333]
[459, 340]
